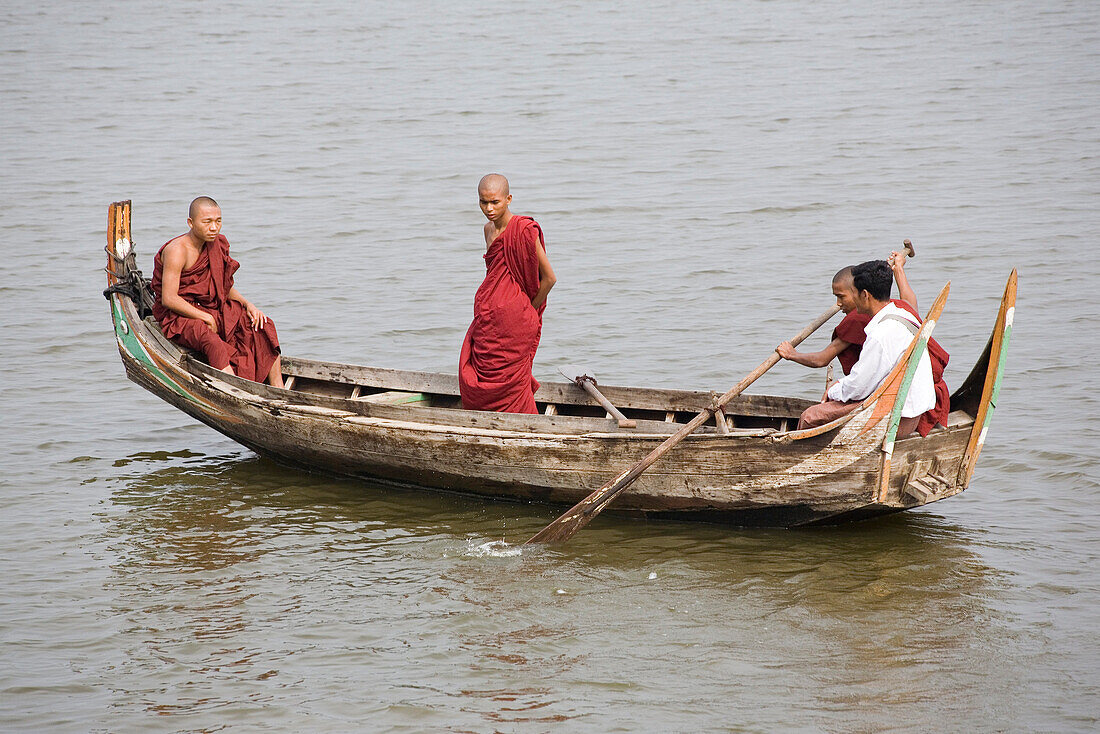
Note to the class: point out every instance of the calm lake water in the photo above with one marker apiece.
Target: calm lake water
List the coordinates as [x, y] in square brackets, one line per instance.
[700, 170]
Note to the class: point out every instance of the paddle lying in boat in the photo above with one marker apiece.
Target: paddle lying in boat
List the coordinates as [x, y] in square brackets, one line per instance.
[588, 383]
[582, 513]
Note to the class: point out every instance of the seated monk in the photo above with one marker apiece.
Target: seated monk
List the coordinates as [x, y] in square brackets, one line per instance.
[849, 335]
[494, 368]
[888, 333]
[198, 307]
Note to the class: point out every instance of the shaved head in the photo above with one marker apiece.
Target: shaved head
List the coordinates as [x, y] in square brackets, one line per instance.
[844, 276]
[493, 182]
[198, 203]
[844, 288]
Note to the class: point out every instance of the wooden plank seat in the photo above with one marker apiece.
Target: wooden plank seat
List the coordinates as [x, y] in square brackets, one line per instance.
[959, 418]
[393, 397]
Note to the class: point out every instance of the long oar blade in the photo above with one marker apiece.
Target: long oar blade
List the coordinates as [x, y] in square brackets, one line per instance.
[582, 513]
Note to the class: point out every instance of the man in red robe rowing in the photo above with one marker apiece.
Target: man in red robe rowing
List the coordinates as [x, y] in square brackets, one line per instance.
[199, 308]
[494, 369]
[849, 336]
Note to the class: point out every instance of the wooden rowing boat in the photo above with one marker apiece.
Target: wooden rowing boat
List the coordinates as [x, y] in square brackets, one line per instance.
[749, 466]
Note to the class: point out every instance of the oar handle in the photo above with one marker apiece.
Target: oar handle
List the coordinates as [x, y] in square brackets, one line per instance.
[770, 362]
[590, 388]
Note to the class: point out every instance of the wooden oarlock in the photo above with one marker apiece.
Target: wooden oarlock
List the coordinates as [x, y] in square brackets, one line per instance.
[720, 422]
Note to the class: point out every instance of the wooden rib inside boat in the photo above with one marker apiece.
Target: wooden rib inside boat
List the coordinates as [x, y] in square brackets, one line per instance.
[747, 466]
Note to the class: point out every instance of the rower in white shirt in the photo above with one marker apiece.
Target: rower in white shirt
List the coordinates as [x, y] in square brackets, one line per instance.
[889, 333]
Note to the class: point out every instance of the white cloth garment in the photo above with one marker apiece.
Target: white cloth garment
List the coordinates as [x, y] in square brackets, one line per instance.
[886, 343]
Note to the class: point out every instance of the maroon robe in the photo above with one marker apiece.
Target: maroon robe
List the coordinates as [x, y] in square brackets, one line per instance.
[494, 368]
[206, 285]
[851, 330]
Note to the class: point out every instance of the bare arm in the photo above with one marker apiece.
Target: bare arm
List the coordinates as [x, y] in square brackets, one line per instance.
[172, 265]
[897, 264]
[813, 359]
[547, 279]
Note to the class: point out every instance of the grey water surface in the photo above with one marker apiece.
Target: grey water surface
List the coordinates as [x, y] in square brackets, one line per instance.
[700, 170]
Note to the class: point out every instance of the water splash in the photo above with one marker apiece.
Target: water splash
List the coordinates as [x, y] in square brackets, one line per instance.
[493, 549]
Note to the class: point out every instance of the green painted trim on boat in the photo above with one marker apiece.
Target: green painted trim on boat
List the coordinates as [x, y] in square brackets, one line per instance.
[124, 333]
[1001, 361]
[906, 383]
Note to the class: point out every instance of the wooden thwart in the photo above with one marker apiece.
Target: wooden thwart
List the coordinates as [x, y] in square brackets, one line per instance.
[393, 397]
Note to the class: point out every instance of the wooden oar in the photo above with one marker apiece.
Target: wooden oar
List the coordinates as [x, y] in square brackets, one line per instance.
[588, 383]
[582, 513]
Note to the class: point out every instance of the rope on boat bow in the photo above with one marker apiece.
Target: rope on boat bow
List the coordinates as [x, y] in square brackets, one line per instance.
[132, 284]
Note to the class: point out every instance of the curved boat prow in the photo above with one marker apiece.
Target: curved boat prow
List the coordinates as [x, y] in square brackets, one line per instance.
[913, 470]
[989, 370]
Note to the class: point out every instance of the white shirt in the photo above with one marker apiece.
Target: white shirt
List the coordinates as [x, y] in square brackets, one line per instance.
[886, 343]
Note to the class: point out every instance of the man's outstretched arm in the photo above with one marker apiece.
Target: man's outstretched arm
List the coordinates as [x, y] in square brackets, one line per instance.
[813, 359]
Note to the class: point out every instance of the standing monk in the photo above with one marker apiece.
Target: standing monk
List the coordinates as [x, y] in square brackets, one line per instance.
[198, 307]
[494, 369]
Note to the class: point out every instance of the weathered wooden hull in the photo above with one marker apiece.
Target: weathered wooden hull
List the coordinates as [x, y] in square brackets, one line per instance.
[753, 473]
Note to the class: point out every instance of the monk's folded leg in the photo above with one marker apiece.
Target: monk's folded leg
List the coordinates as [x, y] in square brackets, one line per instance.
[907, 426]
[275, 373]
[267, 350]
[198, 337]
[254, 351]
[822, 413]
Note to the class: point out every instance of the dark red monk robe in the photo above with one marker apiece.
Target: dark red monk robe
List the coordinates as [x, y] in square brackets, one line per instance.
[206, 285]
[851, 330]
[494, 368]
